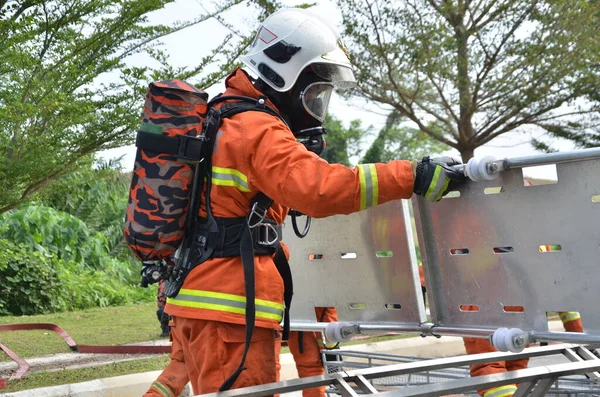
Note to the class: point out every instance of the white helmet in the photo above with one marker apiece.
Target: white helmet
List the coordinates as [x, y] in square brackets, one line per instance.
[292, 39]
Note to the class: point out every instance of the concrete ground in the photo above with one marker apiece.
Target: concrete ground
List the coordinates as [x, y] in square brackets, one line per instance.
[137, 384]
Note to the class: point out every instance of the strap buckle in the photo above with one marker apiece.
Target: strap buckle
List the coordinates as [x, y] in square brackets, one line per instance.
[256, 216]
[190, 147]
[264, 233]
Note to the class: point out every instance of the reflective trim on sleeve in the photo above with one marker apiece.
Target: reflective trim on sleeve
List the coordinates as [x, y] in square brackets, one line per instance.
[162, 389]
[229, 177]
[226, 303]
[369, 186]
[501, 391]
[565, 317]
[437, 186]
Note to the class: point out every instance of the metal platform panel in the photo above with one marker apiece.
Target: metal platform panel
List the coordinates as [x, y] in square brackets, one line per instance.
[360, 264]
[483, 250]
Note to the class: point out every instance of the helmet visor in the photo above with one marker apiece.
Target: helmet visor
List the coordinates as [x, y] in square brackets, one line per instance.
[315, 99]
[341, 76]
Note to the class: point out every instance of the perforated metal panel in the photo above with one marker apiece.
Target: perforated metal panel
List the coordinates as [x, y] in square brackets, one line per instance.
[516, 221]
[345, 262]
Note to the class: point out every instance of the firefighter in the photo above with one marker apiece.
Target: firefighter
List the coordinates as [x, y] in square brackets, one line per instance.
[298, 59]
[174, 377]
[571, 322]
[307, 349]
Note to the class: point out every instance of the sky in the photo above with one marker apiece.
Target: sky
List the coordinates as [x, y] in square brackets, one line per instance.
[188, 46]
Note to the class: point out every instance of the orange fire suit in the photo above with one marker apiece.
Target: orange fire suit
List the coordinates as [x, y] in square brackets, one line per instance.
[306, 347]
[572, 323]
[256, 152]
[174, 377]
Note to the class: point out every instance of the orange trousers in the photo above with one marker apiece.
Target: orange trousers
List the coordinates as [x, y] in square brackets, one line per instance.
[172, 380]
[478, 345]
[308, 361]
[306, 349]
[208, 352]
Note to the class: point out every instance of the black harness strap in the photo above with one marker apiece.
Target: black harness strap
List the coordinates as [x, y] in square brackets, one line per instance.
[288, 287]
[258, 211]
[184, 147]
[301, 341]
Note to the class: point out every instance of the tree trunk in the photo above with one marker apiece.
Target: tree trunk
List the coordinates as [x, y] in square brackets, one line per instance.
[466, 154]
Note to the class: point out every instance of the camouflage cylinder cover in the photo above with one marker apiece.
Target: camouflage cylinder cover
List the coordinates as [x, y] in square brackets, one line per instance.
[159, 196]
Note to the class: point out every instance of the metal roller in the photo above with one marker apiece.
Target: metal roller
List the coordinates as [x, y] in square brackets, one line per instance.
[488, 167]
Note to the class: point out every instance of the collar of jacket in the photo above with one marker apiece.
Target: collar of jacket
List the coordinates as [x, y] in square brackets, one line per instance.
[239, 83]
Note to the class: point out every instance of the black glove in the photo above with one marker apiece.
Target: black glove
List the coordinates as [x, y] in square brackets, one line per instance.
[434, 178]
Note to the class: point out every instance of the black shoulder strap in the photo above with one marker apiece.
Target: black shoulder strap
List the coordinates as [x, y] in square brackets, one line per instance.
[242, 104]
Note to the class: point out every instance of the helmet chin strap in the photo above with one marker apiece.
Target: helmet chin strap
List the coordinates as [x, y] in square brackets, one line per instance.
[313, 139]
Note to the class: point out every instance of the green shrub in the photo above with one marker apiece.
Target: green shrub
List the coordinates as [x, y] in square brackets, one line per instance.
[49, 231]
[38, 283]
[83, 288]
[30, 282]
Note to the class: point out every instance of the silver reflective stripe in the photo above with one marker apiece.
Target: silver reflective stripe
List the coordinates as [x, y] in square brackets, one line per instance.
[229, 177]
[440, 185]
[164, 390]
[227, 302]
[369, 186]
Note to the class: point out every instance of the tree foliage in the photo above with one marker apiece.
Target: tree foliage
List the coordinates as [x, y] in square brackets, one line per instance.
[397, 141]
[393, 142]
[342, 143]
[66, 90]
[477, 69]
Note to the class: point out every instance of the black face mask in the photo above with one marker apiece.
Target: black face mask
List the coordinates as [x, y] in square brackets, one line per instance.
[307, 129]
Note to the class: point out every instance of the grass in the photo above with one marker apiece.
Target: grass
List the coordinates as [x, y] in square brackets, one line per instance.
[103, 326]
[63, 377]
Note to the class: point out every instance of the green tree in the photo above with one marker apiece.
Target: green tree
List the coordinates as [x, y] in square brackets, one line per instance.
[342, 143]
[478, 69]
[57, 102]
[400, 142]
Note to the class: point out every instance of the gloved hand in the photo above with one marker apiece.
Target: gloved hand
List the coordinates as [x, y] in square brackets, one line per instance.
[434, 178]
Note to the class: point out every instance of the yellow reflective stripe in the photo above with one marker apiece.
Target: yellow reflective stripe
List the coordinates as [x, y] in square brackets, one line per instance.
[369, 185]
[325, 345]
[226, 303]
[565, 317]
[431, 190]
[502, 391]
[222, 295]
[162, 389]
[229, 177]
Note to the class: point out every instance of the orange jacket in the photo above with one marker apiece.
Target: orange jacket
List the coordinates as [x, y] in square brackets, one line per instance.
[256, 152]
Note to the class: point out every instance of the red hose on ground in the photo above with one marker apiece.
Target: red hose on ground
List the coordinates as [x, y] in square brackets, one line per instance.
[24, 367]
